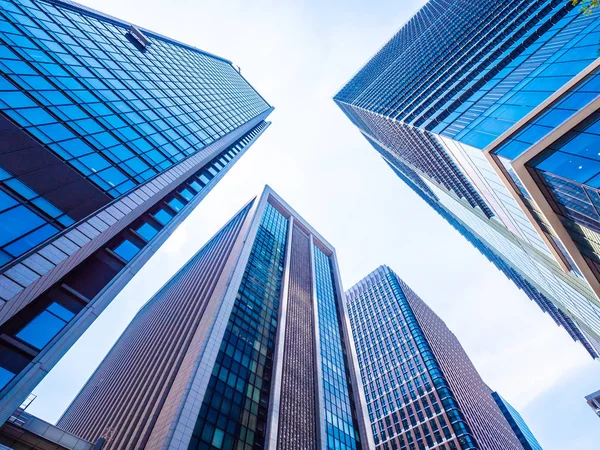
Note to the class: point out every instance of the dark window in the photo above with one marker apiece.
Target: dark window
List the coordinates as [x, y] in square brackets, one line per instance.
[45, 326]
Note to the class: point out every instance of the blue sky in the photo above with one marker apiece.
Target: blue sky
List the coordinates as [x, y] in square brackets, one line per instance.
[298, 54]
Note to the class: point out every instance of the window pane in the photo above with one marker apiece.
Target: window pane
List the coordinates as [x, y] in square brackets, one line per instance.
[147, 231]
[61, 311]
[185, 193]
[41, 330]
[19, 247]
[16, 222]
[127, 250]
[175, 204]
[162, 216]
[6, 201]
[5, 377]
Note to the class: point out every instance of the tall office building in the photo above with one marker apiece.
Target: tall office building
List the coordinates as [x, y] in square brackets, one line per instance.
[421, 388]
[247, 347]
[487, 110]
[517, 423]
[109, 136]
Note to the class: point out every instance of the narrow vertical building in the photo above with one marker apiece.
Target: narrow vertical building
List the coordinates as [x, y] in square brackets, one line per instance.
[247, 347]
[110, 135]
[490, 112]
[517, 423]
[421, 388]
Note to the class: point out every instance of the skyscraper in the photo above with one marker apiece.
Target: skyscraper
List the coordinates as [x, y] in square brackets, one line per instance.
[487, 110]
[421, 388]
[516, 422]
[248, 346]
[110, 135]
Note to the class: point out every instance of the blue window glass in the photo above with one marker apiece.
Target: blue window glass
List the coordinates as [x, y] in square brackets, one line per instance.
[29, 241]
[570, 166]
[175, 204]
[584, 144]
[47, 207]
[147, 231]
[127, 250]
[16, 222]
[21, 188]
[95, 162]
[4, 258]
[16, 99]
[57, 132]
[162, 216]
[5, 377]
[6, 201]
[45, 326]
[196, 186]
[187, 194]
[36, 116]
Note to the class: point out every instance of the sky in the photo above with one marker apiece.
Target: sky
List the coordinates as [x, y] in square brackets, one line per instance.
[298, 54]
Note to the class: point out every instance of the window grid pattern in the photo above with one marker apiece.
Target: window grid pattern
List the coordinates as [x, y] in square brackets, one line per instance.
[129, 242]
[472, 72]
[560, 54]
[234, 410]
[481, 35]
[21, 228]
[569, 293]
[570, 169]
[584, 93]
[116, 114]
[422, 151]
[341, 426]
[559, 317]
[408, 400]
[526, 437]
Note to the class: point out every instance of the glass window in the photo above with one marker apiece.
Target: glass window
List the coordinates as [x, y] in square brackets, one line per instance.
[187, 194]
[196, 186]
[29, 241]
[6, 201]
[16, 222]
[127, 250]
[570, 166]
[147, 231]
[5, 377]
[162, 216]
[175, 204]
[45, 326]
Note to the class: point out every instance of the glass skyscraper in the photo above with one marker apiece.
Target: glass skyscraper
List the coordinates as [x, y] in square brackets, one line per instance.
[247, 347]
[526, 437]
[421, 389]
[487, 111]
[110, 135]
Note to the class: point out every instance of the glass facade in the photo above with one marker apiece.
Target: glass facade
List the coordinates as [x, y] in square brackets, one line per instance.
[235, 407]
[453, 80]
[110, 135]
[409, 402]
[516, 422]
[559, 317]
[260, 354]
[76, 83]
[126, 246]
[340, 419]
